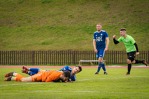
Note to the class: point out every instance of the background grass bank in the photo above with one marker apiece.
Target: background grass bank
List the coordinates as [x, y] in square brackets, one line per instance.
[69, 24]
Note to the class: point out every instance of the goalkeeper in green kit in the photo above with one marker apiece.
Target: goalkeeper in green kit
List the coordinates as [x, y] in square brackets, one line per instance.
[131, 48]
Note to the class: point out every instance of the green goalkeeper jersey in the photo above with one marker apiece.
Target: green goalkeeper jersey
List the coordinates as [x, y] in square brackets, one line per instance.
[128, 42]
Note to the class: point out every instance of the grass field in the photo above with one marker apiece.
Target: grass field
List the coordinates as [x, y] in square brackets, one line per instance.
[115, 85]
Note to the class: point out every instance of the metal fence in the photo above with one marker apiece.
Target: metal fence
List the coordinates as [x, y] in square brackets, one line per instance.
[62, 57]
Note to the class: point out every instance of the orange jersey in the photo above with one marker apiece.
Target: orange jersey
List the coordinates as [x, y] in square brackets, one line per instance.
[47, 76]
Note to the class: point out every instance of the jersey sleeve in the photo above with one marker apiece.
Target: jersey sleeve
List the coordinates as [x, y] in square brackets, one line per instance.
[106, 34]
[132, 40]
[94, 36]
[66, 68]
[120, 39]
[73, 78]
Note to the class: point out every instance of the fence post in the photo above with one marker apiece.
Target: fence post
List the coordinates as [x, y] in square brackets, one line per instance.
[147, 56]
[0, 57]
[33, 57]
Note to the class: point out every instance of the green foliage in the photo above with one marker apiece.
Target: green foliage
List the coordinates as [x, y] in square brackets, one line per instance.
[69, 24]
[46, 1]
[115, 85]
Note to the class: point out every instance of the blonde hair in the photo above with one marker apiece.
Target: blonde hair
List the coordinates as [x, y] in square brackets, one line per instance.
[99, 24]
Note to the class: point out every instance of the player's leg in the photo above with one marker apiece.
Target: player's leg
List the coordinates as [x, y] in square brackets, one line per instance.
[99, 63]
[25, 69]
[131, 57]
[30, 71]
[19, 77]
[129, 67]
[26, 79]
[102, 53]
[13, 76]
[100, 56]
[140, 61]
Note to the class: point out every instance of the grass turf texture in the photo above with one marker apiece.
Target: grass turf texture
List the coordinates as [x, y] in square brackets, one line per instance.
[69, 24]
[115, 85]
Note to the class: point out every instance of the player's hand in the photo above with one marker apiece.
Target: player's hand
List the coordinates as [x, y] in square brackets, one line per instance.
[137, 53]
[114, 36]
[95, 50]
[106, 48]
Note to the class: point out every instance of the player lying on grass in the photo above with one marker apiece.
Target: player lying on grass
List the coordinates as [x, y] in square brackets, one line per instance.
[73, 71]
[131, 48]
[42, 76]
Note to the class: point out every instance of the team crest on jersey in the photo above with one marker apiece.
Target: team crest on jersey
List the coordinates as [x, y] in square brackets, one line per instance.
[126, 40]
[99, 39]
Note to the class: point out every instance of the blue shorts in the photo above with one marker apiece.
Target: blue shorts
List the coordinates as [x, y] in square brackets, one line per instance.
[33, 71]
[100, 53]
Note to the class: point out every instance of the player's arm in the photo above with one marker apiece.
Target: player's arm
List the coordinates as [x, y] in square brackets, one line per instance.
[107, 43]
[135, 44]
[137, 50]
[114, 40]
[94, 45]
[64, 68]
[73, 78]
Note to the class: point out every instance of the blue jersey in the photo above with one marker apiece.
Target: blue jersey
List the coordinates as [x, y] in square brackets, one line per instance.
[67, 68]
[100, 38]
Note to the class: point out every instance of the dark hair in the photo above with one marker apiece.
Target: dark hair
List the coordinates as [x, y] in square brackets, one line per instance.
[67, 73]
[80, 68]
[122, 29]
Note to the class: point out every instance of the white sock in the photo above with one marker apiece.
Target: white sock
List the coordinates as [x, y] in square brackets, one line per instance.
[13, 78]
[14, 74]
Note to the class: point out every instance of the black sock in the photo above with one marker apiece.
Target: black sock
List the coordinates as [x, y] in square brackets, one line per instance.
[129, 68]
[138, 61]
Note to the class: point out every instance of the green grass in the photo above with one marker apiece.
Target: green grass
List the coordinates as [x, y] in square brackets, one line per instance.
[115, 85]
[69, 24]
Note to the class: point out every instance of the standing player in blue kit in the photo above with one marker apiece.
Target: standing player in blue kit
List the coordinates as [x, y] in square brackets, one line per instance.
[100, 44]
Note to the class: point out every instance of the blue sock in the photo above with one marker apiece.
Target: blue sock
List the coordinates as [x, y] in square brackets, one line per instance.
[99, 66]
[103, 67]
